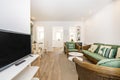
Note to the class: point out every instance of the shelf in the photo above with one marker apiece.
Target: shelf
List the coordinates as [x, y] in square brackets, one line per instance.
[27, 74]
[11, 72]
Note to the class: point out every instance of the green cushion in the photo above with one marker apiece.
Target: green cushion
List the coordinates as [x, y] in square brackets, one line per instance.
[106, 52]
[70, 45]
[109, 53]
[110, 63]
[113, 46]
[73, 50]
[112, 53]
[94, 55]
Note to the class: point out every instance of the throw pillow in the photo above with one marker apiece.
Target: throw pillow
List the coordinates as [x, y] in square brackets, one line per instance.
[115, 63]
[102, 49]
[93, 48]
[71, 45]
[118, 53]
[106, 52]
[112, 53]
[109, 53]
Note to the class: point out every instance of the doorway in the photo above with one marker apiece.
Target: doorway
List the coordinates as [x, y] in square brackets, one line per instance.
[57, 40]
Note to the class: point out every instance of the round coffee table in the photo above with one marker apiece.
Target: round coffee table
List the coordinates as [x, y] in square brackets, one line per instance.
[75, 55]
[71, 58]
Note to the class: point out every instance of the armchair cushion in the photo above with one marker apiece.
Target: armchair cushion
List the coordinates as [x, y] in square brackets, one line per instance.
[70, 45]
[110, 63]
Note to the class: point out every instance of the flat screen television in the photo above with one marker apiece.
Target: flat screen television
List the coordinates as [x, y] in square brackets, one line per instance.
[13, 47]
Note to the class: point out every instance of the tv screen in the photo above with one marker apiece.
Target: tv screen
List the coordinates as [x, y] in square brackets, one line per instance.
[13, 47]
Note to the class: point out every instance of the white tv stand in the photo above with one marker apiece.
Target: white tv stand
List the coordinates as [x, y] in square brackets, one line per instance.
[24, 71]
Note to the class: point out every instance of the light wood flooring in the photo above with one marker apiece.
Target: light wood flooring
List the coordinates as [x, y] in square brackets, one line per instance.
[56, 66]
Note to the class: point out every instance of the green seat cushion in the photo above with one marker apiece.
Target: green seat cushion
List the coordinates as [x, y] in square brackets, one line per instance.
[94, 55]
[70, 45]
[73, 50]
[110, 63]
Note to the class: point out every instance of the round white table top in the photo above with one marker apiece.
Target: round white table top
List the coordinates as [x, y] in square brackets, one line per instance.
[71, 58]
[75, 54]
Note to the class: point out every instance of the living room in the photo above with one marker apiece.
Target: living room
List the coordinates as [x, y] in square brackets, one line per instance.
[52, 23]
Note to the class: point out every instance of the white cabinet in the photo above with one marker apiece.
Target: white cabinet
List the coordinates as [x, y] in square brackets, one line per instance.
[23, 71]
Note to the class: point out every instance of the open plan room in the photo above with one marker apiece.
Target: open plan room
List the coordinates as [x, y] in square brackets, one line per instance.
[60, 40]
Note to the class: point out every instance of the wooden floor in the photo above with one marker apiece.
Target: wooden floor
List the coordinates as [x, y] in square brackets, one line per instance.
[55, 66]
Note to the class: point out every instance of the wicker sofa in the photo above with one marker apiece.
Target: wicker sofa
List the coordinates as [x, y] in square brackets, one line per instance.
[88, 71]
[93, 71]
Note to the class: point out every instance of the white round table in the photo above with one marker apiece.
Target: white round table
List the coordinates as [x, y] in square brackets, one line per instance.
[75, 54]
[71, 58]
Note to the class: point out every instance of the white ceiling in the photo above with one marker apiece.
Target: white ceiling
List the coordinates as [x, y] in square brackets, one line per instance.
[65, 10]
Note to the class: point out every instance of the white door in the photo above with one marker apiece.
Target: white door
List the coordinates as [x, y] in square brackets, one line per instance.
[57, 37]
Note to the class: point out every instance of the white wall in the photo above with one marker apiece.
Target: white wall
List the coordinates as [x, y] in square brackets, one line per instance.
[104, 27]
[48, 29]
[15, 15]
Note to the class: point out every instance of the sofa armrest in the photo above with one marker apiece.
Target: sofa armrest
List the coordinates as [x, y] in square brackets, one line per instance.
[86, 47]
[88, 71]
[77, 46]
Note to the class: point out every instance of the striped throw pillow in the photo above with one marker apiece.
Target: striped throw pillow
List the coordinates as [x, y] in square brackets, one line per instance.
[103, 49]
[109, 53]
[112, 53]
[106, 52]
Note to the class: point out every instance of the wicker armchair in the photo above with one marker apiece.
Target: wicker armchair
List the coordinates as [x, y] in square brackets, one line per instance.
[88, 71]
[77, 47]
